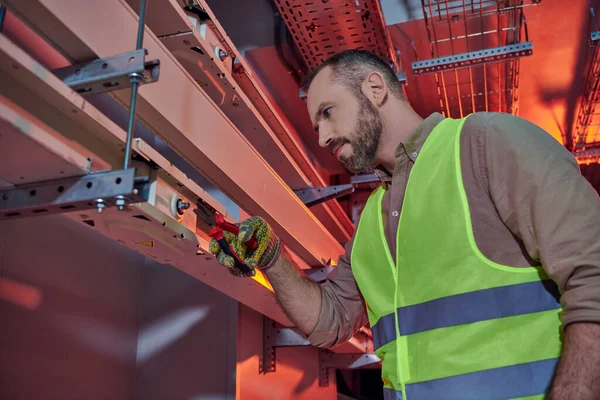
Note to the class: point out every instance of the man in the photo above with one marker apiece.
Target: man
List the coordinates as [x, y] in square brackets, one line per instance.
[460, 257]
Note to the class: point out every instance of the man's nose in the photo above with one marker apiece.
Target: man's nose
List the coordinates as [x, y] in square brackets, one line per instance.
[325, 137]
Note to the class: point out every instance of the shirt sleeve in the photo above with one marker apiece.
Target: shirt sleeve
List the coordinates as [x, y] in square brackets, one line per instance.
[343, 309]
[541, 196]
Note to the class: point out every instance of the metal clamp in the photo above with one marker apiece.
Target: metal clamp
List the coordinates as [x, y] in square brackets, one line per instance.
[97, 190]
[111, 73]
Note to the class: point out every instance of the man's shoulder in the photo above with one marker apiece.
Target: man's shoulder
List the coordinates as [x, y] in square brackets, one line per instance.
[480, 122]
[501, 127]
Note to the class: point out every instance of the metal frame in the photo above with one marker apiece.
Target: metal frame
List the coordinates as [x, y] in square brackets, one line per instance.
[152, 227]
[313, 196]
[475, 48]
[323, 28]
[275, 337]
[188, 123]
[585, 143]
[82, 127]
[202, 47]
[97, 190]
[473, 58]
[111, 73]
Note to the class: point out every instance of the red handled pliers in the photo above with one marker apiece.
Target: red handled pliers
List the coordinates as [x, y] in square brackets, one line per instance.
[217, 224]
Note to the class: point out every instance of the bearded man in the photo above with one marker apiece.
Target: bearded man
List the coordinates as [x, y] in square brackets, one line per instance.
[476, 262]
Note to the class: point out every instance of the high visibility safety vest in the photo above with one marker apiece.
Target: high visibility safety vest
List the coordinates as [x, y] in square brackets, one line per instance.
[447, 322]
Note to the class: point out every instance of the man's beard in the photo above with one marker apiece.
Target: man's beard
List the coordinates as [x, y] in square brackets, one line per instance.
[364, 139]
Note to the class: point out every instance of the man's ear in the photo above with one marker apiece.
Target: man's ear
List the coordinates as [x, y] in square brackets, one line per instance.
[375, 88]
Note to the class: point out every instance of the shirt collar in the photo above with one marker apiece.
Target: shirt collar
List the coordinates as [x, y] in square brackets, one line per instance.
[410, 148]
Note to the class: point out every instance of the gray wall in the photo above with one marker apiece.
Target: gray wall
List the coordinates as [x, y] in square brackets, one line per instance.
[73, 304]
[187, 342]
[69, 311]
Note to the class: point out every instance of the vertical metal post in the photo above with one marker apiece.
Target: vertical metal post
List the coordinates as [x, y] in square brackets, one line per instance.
[135, 80]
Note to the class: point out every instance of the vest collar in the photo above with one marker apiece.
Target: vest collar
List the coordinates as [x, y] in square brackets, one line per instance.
[408, 150]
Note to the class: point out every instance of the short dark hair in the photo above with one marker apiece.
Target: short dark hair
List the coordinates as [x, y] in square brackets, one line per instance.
[351, 67]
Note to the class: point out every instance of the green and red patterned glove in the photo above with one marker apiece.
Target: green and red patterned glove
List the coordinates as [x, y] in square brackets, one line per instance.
[265, 255]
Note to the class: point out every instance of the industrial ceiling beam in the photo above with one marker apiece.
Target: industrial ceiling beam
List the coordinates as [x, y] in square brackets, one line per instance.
[182, 115]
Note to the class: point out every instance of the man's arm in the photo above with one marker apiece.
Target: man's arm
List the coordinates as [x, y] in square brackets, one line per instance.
[577, 375]
[299, 296]
[329, 313]
[542, 198]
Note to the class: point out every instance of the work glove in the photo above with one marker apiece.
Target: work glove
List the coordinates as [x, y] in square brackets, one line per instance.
[263, 257]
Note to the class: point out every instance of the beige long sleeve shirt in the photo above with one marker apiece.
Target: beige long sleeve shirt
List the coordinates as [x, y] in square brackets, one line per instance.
[529, 206]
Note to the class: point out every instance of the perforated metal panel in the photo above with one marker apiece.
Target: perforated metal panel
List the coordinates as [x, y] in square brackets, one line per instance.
[322, 28]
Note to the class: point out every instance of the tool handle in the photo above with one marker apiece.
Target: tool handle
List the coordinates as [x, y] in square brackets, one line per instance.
[252, 244]
[217, 234]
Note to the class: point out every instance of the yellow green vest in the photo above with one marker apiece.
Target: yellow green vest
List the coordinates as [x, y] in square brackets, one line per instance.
[447, 322]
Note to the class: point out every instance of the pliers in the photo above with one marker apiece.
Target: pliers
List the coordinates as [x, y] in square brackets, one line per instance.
[217, 224]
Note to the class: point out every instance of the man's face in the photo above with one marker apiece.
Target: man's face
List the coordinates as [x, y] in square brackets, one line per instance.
[348, 125]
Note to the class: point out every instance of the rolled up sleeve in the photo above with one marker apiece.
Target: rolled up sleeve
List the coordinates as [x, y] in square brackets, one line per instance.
[544, 200]
[343, 309]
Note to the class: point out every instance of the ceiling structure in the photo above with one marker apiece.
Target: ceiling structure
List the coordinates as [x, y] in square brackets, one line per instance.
[545, 87]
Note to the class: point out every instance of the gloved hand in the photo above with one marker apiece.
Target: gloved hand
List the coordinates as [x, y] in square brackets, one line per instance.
[265, 255]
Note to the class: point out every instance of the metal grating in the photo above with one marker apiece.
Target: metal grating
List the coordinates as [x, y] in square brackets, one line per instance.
[322, 28]
[586, 138]
[475, 48]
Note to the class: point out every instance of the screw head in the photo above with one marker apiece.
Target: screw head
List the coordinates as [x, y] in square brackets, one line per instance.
[120, 204]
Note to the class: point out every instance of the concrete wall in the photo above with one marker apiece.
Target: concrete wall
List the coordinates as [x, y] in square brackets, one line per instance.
[69, 307]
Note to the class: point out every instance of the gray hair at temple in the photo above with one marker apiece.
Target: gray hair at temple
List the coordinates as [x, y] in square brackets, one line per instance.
[351, 68]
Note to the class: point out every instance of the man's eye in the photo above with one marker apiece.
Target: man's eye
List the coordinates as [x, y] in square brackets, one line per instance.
[327, 112]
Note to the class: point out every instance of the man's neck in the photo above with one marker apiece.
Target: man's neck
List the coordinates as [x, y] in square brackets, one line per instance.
[399, 121]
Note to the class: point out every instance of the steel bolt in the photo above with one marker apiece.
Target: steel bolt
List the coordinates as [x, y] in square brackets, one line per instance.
[120, 204]
[100, 206]
[223, 55]
[182, 206]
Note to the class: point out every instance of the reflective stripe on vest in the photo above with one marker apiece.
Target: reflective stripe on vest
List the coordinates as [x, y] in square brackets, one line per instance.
[470, 307]
[447, 322]
[511, 382]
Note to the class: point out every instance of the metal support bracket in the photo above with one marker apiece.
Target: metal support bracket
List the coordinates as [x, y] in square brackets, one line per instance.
[274, 337]
[96, 190]
[313, 196]
[328, 360]
[266, 363]
[111, 73]
[464, 60]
